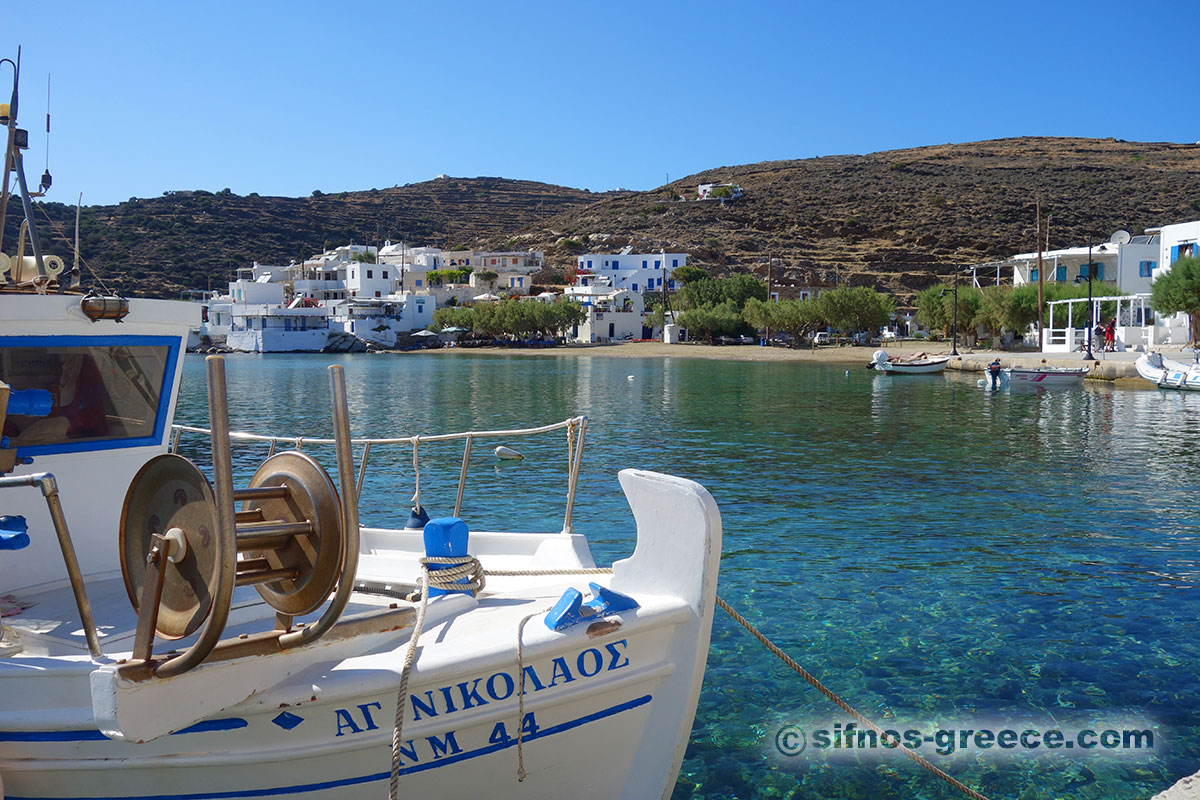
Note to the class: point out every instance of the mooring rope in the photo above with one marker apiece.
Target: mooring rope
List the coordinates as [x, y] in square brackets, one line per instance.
[842, 704]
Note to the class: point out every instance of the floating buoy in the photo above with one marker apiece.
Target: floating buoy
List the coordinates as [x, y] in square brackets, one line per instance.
[508, 453]
[628, 377]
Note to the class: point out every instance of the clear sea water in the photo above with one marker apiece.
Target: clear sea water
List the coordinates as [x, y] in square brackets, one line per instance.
[936, 554]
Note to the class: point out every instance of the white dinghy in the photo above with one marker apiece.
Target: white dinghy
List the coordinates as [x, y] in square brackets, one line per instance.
[166, 634]
[1166, 373]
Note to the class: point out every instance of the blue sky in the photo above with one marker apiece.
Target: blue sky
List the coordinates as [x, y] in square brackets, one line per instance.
[282, 98]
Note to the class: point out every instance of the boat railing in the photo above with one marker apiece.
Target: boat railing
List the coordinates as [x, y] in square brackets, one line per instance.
[574, 427]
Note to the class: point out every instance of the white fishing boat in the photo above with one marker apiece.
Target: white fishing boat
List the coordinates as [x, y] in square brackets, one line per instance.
[259, 642]
[1044, 375]
[919, 364]
[1166, 373]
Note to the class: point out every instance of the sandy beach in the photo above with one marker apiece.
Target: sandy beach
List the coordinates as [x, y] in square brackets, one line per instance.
[1114, 367]
[829, 354]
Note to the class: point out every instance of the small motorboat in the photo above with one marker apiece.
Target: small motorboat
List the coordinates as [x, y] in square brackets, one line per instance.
[1044, 375]
[1168, 374]
[919, 364]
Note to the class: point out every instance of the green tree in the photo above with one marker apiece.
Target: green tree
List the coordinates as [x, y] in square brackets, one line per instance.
[931, 311]
[686, 274]
[709, 322]
[857, 308]
[1179, 291]
[453, 317]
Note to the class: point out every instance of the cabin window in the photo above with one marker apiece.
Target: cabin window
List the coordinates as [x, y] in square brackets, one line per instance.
[107, 391]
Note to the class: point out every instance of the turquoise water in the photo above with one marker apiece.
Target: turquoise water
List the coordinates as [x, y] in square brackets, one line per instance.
[936, 554]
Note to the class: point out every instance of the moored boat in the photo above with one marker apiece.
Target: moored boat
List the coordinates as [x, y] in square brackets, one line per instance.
[1044, 375]
[1166, 373]
[260, 642]
[914, 365]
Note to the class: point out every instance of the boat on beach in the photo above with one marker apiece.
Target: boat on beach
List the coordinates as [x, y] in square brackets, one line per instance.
[919, 364]
[258, 641]
[1166, 373]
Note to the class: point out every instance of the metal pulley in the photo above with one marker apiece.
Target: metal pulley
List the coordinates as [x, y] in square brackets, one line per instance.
[288, 539]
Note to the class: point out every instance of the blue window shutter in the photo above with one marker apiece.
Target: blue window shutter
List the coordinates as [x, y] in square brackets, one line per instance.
[1033, 274]
[1174, 254]
[1060, 274]
[1099, 270]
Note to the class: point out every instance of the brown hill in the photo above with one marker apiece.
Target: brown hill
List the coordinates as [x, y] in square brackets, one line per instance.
[895, 219]
[158, 246]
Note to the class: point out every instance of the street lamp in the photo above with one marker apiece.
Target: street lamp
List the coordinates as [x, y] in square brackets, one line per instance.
[1091, 270]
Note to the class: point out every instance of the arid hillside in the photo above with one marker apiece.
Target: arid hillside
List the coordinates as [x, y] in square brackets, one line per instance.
[896, 220]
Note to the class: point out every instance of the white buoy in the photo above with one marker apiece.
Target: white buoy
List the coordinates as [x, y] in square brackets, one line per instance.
[628, 377]
[508, 453]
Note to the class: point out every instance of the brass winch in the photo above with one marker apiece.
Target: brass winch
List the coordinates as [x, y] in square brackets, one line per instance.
[184, 546]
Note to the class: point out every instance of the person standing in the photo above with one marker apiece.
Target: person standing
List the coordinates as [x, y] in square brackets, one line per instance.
[1110, 336]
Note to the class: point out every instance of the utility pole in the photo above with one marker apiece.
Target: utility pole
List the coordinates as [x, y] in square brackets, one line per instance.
[770, 263]
[1041, 276]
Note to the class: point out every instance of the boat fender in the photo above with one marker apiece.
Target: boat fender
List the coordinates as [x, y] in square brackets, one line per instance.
[446, 537]
[417, 518]
[508, 453]
[14, 533]
[571, 610]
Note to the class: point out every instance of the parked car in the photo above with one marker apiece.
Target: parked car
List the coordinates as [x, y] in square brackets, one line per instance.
[821, 337]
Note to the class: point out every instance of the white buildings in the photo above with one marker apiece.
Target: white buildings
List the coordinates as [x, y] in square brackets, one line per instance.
[1128, 266]
[336, 300]
[637, 272]
[513, 270]
[612, 314]
[1175, 242]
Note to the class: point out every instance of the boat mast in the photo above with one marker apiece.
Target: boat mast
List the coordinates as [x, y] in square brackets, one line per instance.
[9, 119]
[17, 141]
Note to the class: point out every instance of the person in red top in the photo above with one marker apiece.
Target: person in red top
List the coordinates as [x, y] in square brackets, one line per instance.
[1110, 336]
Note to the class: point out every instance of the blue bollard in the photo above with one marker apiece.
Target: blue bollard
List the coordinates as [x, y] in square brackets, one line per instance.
[446, 537]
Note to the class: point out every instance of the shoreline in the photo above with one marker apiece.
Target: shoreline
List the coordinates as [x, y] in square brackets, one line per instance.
[1117, 368]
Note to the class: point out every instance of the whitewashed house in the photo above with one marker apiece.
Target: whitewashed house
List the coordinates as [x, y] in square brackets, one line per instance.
[1128, 266]
[612, 314]
[637, 272]
[1175, 242]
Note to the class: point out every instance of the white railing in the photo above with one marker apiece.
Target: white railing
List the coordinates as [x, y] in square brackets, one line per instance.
[575, 427]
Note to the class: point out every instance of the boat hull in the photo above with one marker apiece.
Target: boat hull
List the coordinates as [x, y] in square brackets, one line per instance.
[1052, 376]
[1167, 374]
[917, 368]
[607, 706]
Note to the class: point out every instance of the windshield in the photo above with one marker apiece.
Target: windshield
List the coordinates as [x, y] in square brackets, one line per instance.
[106, 391]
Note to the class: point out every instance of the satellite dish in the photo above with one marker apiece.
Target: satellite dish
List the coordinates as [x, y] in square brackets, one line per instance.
[1120, 237]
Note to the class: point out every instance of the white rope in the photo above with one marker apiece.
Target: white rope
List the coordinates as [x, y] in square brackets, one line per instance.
[416, 498]
[402, 691]
[521, 693]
